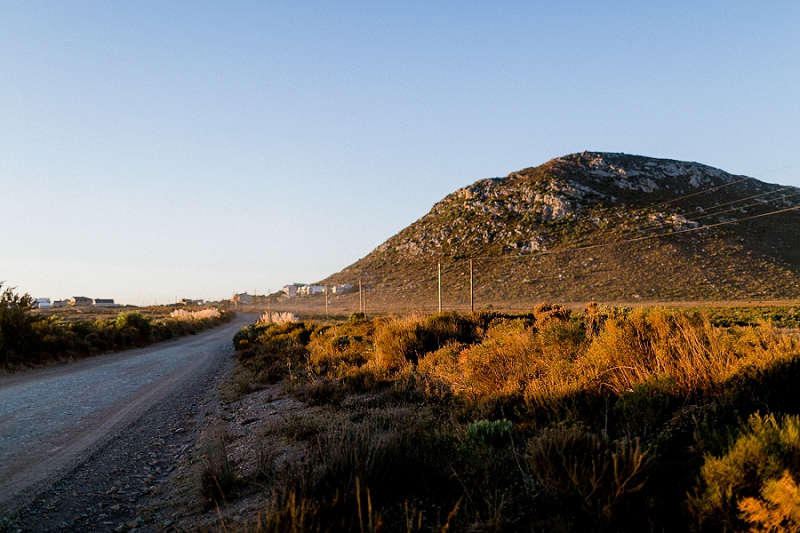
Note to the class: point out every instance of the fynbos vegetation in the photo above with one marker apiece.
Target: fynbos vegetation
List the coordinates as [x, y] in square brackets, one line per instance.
[615, 420]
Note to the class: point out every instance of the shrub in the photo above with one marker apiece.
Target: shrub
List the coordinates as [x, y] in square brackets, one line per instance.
[516, 358]
[578, 469]
[336, 350]
[442, 366]
[394, 452]
[403, 341]
[19, 338]
[747, 476]
[546, 312]
[498, 365]
[652, 344]
[398, 343]
[135, 321]
[35, 338]
[778, 508]
[319, 392]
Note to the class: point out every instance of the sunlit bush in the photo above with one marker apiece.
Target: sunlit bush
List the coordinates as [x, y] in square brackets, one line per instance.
[764, 460]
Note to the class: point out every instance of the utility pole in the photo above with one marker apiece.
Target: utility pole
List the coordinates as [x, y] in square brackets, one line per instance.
[269, 304]
[360, 298]
[327, 316]
[471, 293]
[440, 286]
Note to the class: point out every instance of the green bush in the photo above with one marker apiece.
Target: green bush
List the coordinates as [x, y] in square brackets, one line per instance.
[19, 338]
[490, 434]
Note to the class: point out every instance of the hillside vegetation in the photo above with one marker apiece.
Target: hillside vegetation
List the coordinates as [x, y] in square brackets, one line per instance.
[651, 419]
[603, 226]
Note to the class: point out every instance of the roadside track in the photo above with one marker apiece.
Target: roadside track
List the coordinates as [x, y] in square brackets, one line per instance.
[52, 421]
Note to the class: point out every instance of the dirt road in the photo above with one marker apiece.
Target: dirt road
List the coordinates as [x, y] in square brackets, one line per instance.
[53, 420]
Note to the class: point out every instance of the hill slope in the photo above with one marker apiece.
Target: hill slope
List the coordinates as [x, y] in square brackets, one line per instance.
[602, 226]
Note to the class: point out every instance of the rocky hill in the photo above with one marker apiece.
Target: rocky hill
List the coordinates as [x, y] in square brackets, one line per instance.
[602, 226]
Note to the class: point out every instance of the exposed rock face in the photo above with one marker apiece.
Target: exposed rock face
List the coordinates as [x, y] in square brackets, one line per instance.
[579, 201]
[512, 212]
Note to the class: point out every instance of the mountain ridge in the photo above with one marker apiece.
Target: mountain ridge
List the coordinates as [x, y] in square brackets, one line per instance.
[597, 226]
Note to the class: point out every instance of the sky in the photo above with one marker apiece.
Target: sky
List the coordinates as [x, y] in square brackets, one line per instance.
[158, 150]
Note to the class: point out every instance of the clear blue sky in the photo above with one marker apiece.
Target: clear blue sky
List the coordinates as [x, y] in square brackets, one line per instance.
[158, 149]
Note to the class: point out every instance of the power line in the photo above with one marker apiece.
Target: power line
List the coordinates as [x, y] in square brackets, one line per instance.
[717, 206]
[722, 187]
[637, 239]
[520, 257]
[716, 213]
[698, 193]
[755, 204]
[777, 169]
[714, 188]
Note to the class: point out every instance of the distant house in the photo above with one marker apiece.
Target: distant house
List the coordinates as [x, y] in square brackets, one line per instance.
[291, 290]
[104, 302]
[80, 301]
[189, 301]
[61, 303]
[42, 303]
[311, 289]
[243, 298]
[339, 289]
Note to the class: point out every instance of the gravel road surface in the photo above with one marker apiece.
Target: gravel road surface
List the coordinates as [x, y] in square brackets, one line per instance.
[98, 416]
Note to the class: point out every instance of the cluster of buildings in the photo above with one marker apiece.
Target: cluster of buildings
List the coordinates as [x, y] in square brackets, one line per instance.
[291, 291]
[75, 301]
[297, 289]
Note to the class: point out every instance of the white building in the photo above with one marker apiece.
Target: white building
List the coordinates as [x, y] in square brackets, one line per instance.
[42, 303]
[311, 289]
[292, 290]
[339, 289]
[104, 302]
[61, 303]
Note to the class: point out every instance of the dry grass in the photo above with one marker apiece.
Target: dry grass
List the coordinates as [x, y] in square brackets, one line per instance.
[183, 314]
[217, 479]
[551, 361]
[275, 318]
